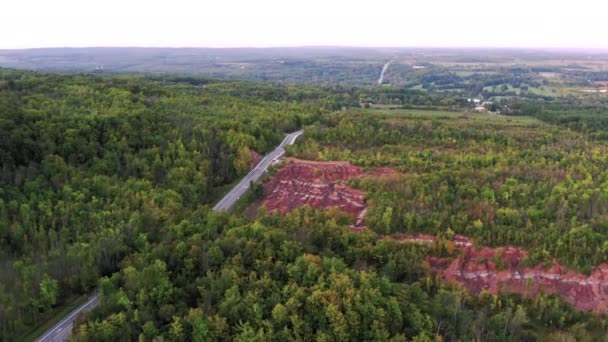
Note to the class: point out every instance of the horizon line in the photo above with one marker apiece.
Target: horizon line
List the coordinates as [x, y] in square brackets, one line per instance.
[446, 47]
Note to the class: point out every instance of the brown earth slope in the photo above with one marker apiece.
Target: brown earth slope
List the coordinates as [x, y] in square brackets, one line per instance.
[318, 184]
[477, 270]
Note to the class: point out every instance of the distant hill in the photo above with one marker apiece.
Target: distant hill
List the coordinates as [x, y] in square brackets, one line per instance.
[314, 64]
[429, 68]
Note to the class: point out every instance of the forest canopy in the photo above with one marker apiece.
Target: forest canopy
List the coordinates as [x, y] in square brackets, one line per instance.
[92, 165]
[107, 180]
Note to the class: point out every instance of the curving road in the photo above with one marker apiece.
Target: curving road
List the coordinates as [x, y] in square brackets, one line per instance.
[228, 201]
[63, 329]
[384, 68]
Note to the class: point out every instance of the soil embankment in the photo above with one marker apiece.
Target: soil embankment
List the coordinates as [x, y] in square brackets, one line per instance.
[318, 185]
[502, 270]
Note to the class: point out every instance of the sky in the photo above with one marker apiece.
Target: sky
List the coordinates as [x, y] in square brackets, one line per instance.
[268, 23]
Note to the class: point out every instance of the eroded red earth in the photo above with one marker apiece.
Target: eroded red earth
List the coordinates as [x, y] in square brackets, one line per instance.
[476, 270]
[319, 185]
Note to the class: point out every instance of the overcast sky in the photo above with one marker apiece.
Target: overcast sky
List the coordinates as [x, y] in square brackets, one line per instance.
[261, 23]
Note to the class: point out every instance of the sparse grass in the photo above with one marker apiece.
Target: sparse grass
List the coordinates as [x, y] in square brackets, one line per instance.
[467, 73]
[499, 89]
[453, 115]
[544, 91]
[412, 112]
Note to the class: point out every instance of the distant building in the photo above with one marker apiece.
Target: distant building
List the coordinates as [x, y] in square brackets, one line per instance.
[418, 67]
[481, 109]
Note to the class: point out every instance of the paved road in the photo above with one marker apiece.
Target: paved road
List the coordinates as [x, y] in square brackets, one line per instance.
[384, 68]
[228, 201]
[63, 329]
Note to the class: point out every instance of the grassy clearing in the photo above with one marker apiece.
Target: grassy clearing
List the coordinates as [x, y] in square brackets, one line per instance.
[412, 112]
[453, 115]
[541, 91]
[544, 91]
[465, 73]
[499, 89]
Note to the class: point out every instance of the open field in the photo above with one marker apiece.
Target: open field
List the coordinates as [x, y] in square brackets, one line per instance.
[439, 68]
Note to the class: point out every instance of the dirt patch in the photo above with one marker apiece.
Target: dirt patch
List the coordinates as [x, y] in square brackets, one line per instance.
[502, 270]
[319, 185]
[254, 159]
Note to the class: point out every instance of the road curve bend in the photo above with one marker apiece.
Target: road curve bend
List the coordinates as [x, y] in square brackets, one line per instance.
[62, 330]
[384, 69]
[228, 201]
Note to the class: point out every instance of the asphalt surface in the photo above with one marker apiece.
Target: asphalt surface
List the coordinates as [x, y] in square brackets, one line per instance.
[228, 201]
[384, 68]
[62, 330]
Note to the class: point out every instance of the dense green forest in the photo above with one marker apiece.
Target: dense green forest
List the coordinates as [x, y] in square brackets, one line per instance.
[106, 183]
[303, 277]
[92, 164]
[503, 180]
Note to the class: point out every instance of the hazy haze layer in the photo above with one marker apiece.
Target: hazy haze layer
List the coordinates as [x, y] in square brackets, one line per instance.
[240, 23]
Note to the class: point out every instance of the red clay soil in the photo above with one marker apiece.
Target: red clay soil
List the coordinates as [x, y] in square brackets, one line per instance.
[475, 269]
[317, 184]
[254, 159]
